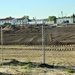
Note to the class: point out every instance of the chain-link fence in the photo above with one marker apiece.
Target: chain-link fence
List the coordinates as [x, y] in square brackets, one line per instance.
[38, 43]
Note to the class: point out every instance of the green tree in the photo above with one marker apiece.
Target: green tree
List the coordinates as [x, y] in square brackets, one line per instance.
[25, 17]
[52, 18]
[73, 16]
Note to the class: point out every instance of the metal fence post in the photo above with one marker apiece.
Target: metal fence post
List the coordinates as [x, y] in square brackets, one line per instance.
[43, 42]
[2, 44]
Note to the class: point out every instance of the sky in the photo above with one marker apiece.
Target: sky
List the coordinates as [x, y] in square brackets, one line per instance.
[36, 8]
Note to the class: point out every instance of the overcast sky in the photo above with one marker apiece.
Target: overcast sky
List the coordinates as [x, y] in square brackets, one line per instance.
[36, 8]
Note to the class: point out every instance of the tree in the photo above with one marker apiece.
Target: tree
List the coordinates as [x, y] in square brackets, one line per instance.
[73, 16]
[52, 18]
[25, 17]
[34, 18]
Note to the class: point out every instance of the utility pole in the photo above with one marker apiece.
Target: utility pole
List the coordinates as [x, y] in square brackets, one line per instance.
[2, 44]
[43, 41]
[62, 16]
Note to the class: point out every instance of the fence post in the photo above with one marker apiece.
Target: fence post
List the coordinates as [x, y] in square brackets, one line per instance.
[2, 44]
[43, 42]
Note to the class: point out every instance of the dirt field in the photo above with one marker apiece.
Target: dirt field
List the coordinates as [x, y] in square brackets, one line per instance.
[32, 35]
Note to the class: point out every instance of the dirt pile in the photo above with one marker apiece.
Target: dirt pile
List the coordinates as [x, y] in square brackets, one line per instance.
[32, 35]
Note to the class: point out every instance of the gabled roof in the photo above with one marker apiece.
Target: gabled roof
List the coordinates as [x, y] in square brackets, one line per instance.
[8, 18]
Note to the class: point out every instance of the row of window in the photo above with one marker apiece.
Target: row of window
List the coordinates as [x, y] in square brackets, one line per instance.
[10, 21]
[5, 21]
[19, 20]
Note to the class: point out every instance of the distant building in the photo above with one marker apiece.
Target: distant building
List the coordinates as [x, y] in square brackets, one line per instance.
[50, 22]
[40, 21]
[21, 21]
[65, 20]
[37, 21]
[13, 21]
[8, 20]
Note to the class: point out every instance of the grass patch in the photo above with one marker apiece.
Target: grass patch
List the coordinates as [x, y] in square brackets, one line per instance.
[69, 70]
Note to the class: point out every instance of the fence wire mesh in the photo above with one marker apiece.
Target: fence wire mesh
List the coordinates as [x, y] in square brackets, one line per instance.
[24, 43]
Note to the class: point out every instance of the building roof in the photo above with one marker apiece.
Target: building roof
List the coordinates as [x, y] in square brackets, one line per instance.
[20, 18]
[8, 18]
[40, 20]
[64, 17]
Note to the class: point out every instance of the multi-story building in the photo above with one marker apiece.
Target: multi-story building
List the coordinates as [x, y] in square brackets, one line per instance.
[21, 21]
[13, 21]
[8, 20]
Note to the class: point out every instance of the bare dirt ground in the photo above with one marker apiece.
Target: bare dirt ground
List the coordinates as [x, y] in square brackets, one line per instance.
[41, 71]
[32, 35]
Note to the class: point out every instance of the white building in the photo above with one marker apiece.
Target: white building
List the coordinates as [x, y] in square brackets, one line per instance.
[49, 22]
[40, 21]
[9, 20]
[21, 21]
[36, 21]
[13, 21]
[65, 20]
